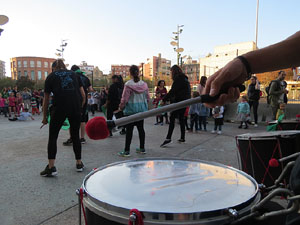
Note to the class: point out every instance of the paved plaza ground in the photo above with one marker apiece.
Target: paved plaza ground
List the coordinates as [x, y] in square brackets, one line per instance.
[26, 198]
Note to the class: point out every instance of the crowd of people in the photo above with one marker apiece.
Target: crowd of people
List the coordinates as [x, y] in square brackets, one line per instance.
[16, 104]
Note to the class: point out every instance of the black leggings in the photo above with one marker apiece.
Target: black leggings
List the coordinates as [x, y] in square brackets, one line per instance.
[173, 115]
[57, 119]
[129, 131]
[255, 107]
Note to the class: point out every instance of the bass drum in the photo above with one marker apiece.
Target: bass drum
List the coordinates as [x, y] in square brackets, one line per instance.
[168, 191]
[257, 149]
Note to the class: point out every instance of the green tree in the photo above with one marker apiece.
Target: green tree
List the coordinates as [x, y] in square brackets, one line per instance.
[7, 82]
[24, 82]
[39, 84]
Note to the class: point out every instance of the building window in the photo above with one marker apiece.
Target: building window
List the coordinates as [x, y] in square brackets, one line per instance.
[46, 74]
[31, 63]
[25, 73]
[46, 64]
[19, 74]
[39, 75]
[19, 63]
[39, 64]
[32, 75]
[25, 63]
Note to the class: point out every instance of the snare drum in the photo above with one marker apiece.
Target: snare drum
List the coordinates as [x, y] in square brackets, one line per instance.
[256, 150]
[287, 125]
[168, 191]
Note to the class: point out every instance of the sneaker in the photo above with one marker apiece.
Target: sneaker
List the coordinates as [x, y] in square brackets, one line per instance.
[255, 125]
[240, 126]
[213, 131]
[157, 123]
[79, 167]
[219, 132]
[122, 132]
[141, 150]
[68, 142]
[49, 172]
[124, 153]
[82, 140]
[167, 141]
[161, 124]
[181, 140]
[246, 127]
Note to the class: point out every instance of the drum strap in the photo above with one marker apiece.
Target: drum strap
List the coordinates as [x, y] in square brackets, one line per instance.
[139, 217]
[81, 192]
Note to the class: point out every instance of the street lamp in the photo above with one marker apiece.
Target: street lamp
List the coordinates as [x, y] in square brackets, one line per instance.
[60, 52]
[3, 20]
[176, 42]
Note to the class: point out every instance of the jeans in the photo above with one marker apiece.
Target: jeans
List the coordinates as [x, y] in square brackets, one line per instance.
[194, 120]
[202, 120]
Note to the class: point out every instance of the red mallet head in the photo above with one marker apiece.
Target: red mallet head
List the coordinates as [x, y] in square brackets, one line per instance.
[96, 128]
[273, 163]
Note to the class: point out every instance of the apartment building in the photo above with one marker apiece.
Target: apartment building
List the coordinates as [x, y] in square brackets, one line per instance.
[2, 69]
[35, 68]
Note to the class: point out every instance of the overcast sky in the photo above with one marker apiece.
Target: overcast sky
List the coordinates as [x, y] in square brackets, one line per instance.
[130, 31]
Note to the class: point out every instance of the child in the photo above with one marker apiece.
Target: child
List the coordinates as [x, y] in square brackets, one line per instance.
[23, 116]
[281, 110]
[19, 103]
[203, 114]
[243, 111]
[194, 113]
[3, 107]
[91, 104]
[156, 101]
[12, 104]
[34, 106]
[217, 114]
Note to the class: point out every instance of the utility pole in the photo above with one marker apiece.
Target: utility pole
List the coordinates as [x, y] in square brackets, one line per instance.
[256, 27]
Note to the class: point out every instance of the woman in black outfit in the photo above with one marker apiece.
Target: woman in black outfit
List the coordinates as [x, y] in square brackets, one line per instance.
[180, 91]
[66, 87]
[253, 96]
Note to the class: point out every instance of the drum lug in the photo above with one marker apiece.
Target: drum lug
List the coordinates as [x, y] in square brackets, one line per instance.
[78, 192]
[132, 217]
[233, 213]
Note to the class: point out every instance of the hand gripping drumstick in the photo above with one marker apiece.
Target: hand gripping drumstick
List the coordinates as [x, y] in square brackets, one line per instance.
[98, 128]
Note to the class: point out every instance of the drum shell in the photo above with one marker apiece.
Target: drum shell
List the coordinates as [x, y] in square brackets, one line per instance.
[256, 150]
[109, 215]
[287, 125]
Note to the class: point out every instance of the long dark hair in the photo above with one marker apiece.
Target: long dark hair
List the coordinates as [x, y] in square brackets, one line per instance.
[58, 65]
[134, 72]
[203, 80]
[159, 82]
[176, 71]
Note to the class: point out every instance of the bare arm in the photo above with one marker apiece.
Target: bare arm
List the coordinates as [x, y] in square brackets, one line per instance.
[284, 54]
[278, 56]
[83, 95]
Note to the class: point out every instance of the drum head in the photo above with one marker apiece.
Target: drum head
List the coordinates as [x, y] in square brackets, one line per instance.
[170, 186]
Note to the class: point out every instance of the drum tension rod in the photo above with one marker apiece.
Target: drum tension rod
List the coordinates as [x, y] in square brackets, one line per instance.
[233, 213]
[132, 218]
